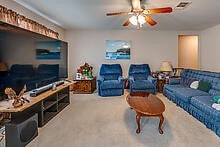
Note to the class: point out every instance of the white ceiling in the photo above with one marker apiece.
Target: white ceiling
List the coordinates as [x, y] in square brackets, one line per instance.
[91, 14]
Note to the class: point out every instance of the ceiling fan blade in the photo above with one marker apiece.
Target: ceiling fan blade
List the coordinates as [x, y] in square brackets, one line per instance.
[150, 20]
[116, 13]
[126, 23]
[136, 4]
[159, 10]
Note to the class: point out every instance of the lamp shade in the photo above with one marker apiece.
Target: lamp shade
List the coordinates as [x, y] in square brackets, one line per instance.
[165, 66]
[3, 66]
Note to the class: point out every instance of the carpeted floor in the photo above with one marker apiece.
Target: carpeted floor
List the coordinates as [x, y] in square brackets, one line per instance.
[93, 121]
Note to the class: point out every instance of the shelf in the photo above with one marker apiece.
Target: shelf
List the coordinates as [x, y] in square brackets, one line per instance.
[62, 96]
[48, 116]
[53, 104]
[48, 104]
[61, 106]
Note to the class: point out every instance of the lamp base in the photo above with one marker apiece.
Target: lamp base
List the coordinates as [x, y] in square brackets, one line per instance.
[166, 73]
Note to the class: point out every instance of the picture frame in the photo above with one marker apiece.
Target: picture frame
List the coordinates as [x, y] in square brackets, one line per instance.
[48, 50]
[117, 49]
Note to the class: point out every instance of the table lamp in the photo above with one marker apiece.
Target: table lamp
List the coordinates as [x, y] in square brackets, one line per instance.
[3, 66]
[166, 67]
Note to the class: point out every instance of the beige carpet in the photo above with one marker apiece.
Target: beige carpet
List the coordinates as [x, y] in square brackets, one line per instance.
[93, 121]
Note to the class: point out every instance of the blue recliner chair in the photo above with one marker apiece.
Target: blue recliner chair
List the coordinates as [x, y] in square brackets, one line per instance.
[140, 78]
[110, 81]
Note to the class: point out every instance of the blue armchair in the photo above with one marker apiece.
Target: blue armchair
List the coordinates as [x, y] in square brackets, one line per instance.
[140, 78]
[110, 81]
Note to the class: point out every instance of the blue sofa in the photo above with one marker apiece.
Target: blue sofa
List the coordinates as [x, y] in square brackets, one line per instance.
[140, 79]
[110, 81]
[196, 102]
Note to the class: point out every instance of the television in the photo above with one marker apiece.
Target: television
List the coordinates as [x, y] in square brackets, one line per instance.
[22, 47]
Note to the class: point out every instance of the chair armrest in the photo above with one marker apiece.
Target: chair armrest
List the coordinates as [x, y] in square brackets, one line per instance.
[151, 79]
[100, 79]
[131, 79]
[173, 81]
[121, 79]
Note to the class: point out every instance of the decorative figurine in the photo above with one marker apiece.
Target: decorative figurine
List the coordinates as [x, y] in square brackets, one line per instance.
[19, 100]
[89, 75]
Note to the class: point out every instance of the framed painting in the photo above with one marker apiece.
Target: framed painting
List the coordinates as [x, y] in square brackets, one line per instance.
[117, 49]
[48, 49]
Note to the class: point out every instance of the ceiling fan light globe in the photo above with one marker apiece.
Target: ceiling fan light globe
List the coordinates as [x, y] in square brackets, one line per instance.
[141, 19]
[133, 20]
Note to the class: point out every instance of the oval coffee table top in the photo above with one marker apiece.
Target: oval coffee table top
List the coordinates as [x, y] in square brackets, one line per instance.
[145, 103]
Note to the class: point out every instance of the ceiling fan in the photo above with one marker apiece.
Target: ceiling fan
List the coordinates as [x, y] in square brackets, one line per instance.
[140, 14]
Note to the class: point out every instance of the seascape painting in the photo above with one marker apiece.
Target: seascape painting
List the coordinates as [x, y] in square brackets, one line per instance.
[117, 49]
[48, 49]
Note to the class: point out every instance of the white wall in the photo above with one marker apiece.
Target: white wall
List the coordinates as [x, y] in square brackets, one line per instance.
[29, 14]
[210, 49]
[150, 47]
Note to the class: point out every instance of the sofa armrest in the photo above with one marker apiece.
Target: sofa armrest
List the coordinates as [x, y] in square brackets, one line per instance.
[173, 81]
[131, 79]
[100, 79]
[152, 80]
[121, 79]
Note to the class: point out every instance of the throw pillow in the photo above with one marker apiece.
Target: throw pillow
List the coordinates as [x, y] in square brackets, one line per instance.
[194, 85]
[204, 86]
[216, 99]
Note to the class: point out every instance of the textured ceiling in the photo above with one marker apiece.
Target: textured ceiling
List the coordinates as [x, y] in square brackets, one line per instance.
[91, 14]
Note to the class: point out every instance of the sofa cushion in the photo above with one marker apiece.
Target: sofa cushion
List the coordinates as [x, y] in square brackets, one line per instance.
[204, 86]
[110, 69]
[216, 86]
[215, 90]
[140, 76]
[111, 84]
[111, 76]
[144, 84]
[204, 103]
[172, 88]
[139, 68]
[185, 94]
[186, 81]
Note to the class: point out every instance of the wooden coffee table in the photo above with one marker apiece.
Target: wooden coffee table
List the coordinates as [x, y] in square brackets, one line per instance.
[146, 104]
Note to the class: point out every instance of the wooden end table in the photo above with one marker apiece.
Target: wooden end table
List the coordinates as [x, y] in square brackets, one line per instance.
[84, 86]
[146, 104]
[160, 84]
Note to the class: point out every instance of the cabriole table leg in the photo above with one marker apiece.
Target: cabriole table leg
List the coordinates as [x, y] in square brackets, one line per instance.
[138, 118]
[160, 124]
